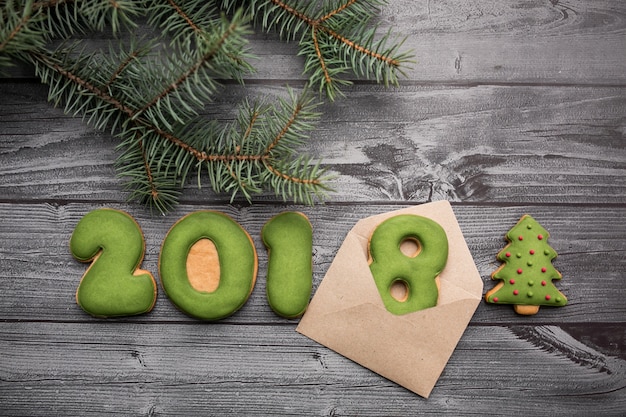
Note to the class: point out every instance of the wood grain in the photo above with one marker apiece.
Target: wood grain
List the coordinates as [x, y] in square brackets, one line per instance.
[473, 144]
[38, 276]
[477, 41]
[510, 108]
[157, 369]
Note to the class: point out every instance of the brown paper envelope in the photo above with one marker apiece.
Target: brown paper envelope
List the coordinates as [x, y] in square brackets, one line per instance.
[347, 313]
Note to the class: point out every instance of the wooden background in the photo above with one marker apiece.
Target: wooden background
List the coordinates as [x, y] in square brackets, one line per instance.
[512, 107]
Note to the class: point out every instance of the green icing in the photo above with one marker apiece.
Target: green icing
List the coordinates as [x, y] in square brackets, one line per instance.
[526, 278]
[389, 264]
[237, 260]
[288, 238]
[114, 242]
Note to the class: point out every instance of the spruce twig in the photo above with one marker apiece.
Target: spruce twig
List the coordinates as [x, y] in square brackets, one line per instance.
[334, 38]
[154, 104]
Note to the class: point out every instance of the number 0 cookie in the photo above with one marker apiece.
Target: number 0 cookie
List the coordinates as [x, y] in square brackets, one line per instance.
[208, 265]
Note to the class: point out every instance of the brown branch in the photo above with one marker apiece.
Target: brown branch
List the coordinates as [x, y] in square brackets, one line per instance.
[192, 70]
[199, 155]
[121, 67]
[363, 50]
[321, 58]
[336, 11]
[285, 129]
[294, 12]
[184, 15]
[291, 178]
[317, 24]
[248, 131]
[107, 98]
[15, 31]
[153, 190]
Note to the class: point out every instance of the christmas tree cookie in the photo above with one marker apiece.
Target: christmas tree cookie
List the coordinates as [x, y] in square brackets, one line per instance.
[526, 272]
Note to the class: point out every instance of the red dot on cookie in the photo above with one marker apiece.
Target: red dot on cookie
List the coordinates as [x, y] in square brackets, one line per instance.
[543, 269]
[519, 271]
[521, 237]
[511, 281]
[539, 237]
[515, 292]
[495, 299]
[543, 283]
[508, 254]
[548, 297]
[532, 251]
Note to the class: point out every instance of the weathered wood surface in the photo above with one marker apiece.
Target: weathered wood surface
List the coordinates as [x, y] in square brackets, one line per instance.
[511, 108]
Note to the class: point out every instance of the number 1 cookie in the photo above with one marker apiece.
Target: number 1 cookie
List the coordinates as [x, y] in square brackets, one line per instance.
[288, 238]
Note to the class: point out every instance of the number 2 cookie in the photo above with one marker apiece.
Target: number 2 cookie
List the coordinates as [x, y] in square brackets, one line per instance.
[113, 285]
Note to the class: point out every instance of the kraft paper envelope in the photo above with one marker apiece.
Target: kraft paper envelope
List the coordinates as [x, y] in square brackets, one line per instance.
[347, 313]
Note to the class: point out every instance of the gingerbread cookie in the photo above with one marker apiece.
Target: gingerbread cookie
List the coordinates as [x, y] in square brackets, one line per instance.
[288, 238]
[113, 285]
[417, 270]
[208, 265]
[526, 272]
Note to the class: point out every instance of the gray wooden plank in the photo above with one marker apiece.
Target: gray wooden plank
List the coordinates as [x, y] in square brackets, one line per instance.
[554, 41]
[519, 144]
[38, 276]
[545, 42]
[181, 369]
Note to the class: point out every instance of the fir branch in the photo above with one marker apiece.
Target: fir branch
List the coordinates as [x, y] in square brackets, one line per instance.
[153, 104]
[210, 53]
[334, 38]
[256, 151]
[20, 30]
[192, 74]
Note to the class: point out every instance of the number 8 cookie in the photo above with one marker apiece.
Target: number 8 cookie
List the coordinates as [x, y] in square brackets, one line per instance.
[416, 271]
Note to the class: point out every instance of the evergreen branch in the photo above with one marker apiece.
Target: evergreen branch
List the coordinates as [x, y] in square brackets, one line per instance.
[336, 11]
[85, 85]
[192, 81]
[16, 30]
[68, 17]
[123, 65]
[334, 38]
[184, 16]
[297, 108]
[318, 52]
[244, 157]
[184, 77]
[153, 104]
[20, 30]
[359, 48]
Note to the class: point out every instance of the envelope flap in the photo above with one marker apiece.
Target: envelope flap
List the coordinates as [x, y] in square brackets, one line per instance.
[347, 313]
[396, 348]
[349, 288]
